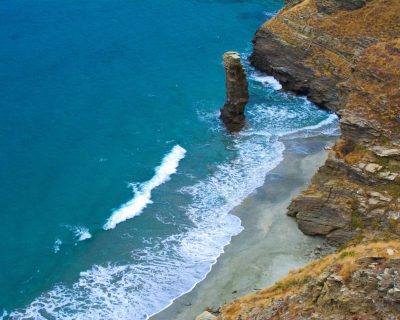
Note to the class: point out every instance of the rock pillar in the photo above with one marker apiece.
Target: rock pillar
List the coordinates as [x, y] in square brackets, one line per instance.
[237, 96]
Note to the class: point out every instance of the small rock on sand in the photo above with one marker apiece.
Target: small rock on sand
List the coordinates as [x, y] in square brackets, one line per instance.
[206, 316]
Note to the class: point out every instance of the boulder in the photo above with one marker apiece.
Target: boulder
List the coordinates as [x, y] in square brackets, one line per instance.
[373, 167]
[387, 175]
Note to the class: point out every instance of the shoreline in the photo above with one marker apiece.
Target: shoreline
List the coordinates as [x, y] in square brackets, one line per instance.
[263, 216]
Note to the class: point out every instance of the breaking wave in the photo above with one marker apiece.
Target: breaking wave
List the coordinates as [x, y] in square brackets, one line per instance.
[266, 80]
[142, 195]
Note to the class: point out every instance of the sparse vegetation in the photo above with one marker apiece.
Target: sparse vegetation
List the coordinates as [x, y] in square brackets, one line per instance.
[345, 262]
[346, 254]
[356, 220]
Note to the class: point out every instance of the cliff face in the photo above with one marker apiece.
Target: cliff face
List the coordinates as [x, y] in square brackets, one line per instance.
[345, 56]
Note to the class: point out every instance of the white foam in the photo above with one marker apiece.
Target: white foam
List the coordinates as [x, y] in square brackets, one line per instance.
[284, 120]
[5, 314]
[82, 233]
[142, 196]
[266, 80]
[57, 245]
[308, 130]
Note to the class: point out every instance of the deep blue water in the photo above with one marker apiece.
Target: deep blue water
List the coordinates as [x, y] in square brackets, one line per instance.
[93, 96]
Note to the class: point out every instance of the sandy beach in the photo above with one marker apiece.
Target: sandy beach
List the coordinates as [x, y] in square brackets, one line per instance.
[270, 244]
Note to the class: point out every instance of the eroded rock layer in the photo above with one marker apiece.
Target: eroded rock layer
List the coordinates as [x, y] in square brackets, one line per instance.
[345, 56]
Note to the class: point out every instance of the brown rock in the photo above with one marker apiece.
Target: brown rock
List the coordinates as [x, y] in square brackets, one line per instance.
[315, 217]
[237, 96]
[332, 6]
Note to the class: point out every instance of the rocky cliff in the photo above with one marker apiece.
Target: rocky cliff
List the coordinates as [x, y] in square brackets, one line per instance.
[344, 55]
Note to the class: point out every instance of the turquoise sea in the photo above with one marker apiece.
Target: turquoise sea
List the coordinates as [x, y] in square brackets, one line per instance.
[117, 177]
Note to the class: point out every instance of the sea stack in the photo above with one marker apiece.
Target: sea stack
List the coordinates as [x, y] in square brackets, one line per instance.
[237, 95]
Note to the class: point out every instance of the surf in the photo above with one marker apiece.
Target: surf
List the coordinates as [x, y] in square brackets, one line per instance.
[142, 195]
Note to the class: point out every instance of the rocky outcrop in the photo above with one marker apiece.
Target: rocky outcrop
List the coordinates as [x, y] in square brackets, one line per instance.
[361, 282]
[353, 194]
[332, 6]
[345, 56]
[237, 96]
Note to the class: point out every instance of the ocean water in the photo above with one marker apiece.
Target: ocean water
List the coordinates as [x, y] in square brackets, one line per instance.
[117, 177]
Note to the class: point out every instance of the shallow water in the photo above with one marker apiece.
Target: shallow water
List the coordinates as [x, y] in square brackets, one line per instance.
[117, 178]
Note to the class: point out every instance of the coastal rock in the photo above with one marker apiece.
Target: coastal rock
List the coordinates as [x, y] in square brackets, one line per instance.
[344, 55]
[315, 217]
[237, 96]
[285, 62]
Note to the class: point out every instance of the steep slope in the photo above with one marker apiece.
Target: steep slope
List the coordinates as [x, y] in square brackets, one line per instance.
[361, 282]
[345, 56]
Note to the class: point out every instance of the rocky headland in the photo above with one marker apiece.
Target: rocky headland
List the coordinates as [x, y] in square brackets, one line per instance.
[344, 55]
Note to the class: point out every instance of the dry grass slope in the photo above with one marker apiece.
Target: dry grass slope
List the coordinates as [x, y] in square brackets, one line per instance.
[303, 283]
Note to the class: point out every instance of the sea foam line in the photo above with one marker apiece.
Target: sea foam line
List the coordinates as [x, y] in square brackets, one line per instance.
[266, 80]
[332, 119]
[142, 197]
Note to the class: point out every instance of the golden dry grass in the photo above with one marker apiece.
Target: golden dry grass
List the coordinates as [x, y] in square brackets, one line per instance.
[344, 261]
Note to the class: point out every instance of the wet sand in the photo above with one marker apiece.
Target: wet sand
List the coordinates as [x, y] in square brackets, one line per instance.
[270, 244]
